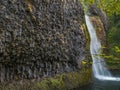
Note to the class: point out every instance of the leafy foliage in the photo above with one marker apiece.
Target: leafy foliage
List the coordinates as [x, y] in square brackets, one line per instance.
[113, 40]
[113, 59]
[109, 6]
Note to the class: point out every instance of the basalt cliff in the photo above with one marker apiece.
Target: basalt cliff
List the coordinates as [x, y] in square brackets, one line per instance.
[40, 38]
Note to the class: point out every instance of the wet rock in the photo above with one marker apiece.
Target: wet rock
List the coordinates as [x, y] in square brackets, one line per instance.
[94, 10]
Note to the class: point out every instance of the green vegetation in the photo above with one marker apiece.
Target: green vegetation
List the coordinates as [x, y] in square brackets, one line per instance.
[64, 81]
[109, 6]
[113, 40]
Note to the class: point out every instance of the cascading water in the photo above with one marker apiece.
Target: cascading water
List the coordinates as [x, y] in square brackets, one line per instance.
[99, 66]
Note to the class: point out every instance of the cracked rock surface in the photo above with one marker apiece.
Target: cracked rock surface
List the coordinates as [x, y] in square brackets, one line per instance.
[40, 38]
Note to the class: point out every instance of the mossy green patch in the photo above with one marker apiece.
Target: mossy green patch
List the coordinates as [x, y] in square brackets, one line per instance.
[63, 81]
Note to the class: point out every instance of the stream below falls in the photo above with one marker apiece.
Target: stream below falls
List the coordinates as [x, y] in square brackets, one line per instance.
[103, 85]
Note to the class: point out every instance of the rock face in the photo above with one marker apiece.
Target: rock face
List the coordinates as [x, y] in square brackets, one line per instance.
[100, 22]
[99, 27]
[98, 12]
[40, 38]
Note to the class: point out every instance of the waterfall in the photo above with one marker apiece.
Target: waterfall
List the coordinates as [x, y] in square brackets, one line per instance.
[100, 70]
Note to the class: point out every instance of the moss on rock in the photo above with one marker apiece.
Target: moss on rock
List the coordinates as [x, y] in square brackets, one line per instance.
[64, 81]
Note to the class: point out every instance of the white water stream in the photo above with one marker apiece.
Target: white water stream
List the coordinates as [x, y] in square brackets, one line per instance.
[99, 66]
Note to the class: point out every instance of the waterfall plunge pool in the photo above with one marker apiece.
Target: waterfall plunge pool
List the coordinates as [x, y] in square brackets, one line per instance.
[103, 84]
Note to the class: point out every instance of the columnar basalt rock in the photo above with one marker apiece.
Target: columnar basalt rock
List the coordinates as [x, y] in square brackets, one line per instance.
[40, 38]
